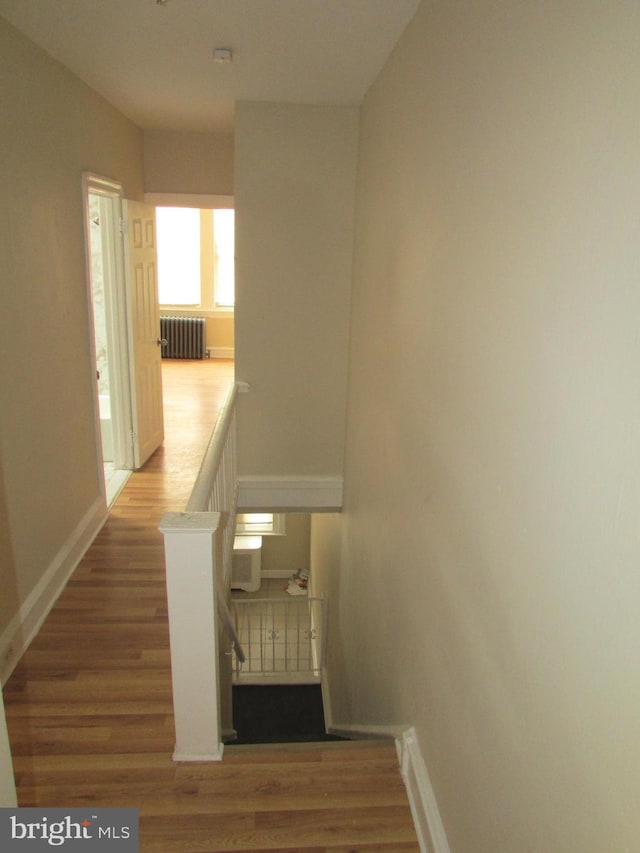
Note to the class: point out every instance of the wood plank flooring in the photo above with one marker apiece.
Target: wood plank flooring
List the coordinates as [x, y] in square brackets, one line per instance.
[89, 706]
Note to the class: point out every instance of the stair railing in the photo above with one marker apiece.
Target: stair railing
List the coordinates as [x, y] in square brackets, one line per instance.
[198, 555]
[284, 639]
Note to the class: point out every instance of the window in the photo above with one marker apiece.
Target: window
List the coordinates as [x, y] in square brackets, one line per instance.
[260, 524]
[196, 258]
[178, 236]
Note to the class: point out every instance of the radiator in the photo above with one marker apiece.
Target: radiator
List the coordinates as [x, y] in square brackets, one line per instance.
[185, 337]
[246, 563]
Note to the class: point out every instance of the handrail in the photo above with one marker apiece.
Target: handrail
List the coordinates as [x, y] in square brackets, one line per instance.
[209, 493]
[203, 487]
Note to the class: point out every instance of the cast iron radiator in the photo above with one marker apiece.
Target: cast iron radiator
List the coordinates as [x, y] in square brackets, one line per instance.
[185, 337]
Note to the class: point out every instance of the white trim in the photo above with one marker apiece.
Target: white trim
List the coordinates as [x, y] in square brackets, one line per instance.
[204, 200]
[256, 524]
[190, 556]
[205, 756]
[16, 637]
[119, 355]
[116, 484]
[422, 800]
[196, 311]
[257, 678]
[221, 352]
[289, 494]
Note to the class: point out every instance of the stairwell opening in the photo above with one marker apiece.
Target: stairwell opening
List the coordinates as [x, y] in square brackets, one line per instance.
[281, 625]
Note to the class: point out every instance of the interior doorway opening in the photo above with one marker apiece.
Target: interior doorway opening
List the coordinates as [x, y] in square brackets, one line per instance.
[106, 295]
[196, 263]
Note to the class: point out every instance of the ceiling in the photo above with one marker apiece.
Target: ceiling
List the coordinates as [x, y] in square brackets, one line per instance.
[153, 59]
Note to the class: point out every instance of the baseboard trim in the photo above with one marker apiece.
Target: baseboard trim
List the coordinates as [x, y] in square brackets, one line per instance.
[221, 352]
[422, 801]
[23, 627]
[424, 808]
[187, 757]
[290, 494]
[275, 574]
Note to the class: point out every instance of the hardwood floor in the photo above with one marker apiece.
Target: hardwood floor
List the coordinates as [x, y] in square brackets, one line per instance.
[89, 707]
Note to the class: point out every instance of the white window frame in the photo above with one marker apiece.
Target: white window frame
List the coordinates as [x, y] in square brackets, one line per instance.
[274, 525]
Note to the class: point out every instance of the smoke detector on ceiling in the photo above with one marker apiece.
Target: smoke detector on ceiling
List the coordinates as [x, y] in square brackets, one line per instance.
[223, 55]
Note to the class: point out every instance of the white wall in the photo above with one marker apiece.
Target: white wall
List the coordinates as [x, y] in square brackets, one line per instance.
[294, 191]
[491, 544]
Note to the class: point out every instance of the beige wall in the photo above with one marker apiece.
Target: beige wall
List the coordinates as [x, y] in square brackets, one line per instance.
[220, 333]
[295, 172]
[490, 581]
[53, 128]
[9, 599]
[189, 165]
[291, 551]
[199, 163]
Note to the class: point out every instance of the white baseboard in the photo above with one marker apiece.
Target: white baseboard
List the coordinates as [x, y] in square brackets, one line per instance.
[188, 757]
[290, 494]
[221, 352]
[16, 637]
[424, 808]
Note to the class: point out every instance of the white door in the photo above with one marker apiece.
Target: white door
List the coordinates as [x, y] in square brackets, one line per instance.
[144, 329]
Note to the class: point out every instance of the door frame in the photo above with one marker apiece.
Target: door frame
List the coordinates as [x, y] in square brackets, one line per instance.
[111, 196]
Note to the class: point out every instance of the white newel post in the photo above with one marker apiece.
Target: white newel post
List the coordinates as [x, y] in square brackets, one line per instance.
[190, 553]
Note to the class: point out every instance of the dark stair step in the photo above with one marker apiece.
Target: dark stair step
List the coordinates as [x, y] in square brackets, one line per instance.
[279, 713]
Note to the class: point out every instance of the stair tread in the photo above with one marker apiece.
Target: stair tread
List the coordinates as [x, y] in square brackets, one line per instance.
[365, 750]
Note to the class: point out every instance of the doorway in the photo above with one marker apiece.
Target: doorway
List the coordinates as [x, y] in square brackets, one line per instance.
[107, 301]
[196, 275]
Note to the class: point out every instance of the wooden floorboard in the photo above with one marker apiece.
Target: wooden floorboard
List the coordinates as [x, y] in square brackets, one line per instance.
[89, 707]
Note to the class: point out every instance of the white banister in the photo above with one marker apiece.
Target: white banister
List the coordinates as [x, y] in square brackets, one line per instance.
[198, 555]
[208, 487]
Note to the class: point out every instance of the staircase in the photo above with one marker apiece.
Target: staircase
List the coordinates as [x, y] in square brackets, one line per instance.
[341, 796]
[279, 713]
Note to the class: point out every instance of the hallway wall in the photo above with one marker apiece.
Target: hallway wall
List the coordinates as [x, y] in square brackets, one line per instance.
[54, 127]
[187, 165]
[490, 585]
[295, 170]
[192, 163]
